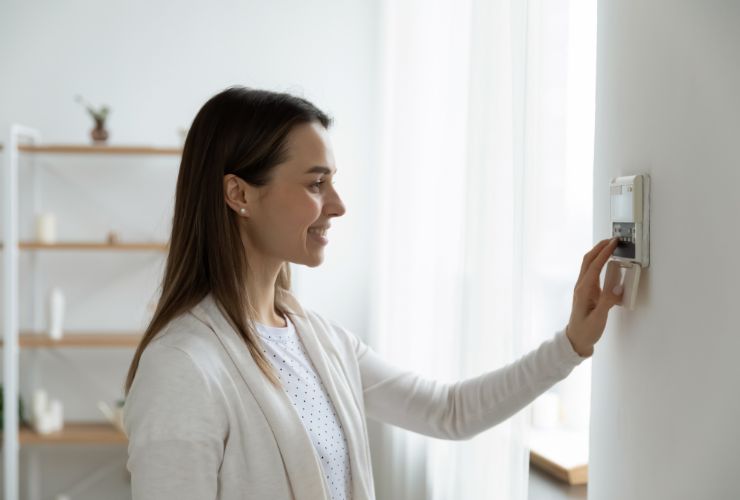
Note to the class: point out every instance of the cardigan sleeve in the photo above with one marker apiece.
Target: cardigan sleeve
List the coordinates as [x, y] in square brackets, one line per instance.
[176, 429]
[465, 408]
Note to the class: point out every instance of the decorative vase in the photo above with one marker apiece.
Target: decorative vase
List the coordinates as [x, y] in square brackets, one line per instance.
[99, 134]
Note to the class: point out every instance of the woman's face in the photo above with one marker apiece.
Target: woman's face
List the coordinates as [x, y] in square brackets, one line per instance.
[300, 196]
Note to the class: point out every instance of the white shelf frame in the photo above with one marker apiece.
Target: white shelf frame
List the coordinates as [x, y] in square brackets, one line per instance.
[11, 321]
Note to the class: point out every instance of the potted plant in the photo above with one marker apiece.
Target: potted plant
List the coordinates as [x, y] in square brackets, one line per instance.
[99, 134]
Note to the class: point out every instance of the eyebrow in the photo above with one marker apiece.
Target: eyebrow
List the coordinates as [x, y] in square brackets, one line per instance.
[320, 170]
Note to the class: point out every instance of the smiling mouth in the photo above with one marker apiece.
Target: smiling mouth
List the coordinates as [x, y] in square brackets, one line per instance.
[318, 236]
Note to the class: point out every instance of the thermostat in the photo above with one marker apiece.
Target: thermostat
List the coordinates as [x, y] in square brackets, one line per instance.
[630, 221]
[630, 218]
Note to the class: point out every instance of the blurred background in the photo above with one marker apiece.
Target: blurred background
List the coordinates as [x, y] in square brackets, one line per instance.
[463, 135]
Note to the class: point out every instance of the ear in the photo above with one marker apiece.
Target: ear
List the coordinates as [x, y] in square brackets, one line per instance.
[235, 194]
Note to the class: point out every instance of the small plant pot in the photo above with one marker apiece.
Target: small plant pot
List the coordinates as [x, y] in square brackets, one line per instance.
[99, 134]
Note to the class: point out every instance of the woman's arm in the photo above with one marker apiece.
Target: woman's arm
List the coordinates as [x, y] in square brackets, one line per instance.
[175, 427]
[462, 409]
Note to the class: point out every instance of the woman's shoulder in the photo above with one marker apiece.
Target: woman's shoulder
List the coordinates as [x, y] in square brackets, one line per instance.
[175, 387]
[184, 350]
[184, 331]
[185, 343]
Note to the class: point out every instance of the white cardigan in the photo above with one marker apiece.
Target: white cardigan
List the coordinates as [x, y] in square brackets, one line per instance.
[204, 423]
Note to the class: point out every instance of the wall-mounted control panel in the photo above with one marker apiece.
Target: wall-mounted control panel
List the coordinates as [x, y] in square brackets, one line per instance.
[630, 218]
[630, 222]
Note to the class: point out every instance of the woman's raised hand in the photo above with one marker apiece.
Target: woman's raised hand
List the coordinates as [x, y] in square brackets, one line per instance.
[590, 304]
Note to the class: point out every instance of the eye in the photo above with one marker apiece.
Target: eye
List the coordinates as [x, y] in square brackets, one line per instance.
[317, 184]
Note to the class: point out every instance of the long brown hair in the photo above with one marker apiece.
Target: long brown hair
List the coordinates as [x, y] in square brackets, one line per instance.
[238, 131]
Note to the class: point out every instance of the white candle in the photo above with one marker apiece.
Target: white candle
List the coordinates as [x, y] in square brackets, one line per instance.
[40, 402]
[46, 231]
[56, 313]
[56, 411]
[45, 424]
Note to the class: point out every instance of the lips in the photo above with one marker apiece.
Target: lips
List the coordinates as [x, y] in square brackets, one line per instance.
[318, 236]
[319, 229]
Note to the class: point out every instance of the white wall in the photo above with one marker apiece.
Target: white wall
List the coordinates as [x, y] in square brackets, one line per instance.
[665, 402]
[155, 63]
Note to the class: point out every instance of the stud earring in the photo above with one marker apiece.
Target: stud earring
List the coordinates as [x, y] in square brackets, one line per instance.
[242, 210]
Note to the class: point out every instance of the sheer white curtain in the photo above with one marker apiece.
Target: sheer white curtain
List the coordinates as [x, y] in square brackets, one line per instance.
[484, 199]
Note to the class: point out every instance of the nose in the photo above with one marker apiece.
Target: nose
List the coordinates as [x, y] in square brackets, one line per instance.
[336, 206]
[336, 209]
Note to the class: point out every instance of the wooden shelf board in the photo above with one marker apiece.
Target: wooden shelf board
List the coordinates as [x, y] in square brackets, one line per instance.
[561, 453]
[82, 245]
[572, 475]
[99, 149]
[75, 433]
[79, 339]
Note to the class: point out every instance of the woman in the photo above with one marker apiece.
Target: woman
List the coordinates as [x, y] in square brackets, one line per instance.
[238, 392]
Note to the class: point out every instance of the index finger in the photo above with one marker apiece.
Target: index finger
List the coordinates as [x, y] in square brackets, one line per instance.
[598, 263]
[590, 256]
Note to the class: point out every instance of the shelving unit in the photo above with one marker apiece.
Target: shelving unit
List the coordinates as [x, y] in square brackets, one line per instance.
[25, 140]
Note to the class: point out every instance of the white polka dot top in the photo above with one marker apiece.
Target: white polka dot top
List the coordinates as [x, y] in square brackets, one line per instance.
[285, 351]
